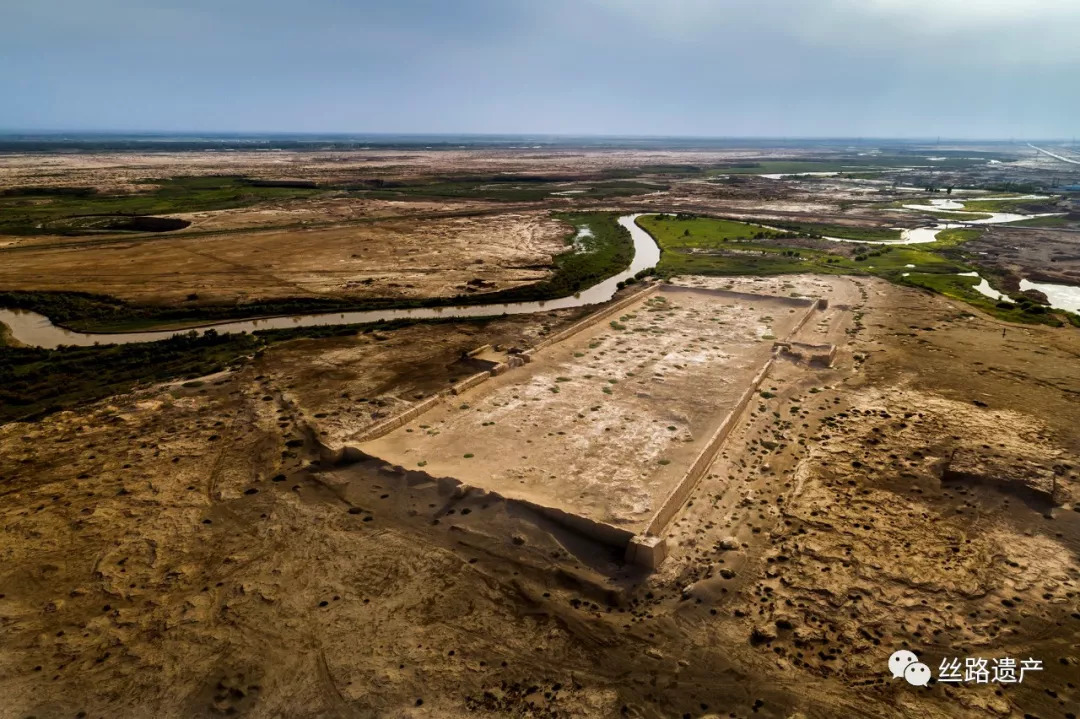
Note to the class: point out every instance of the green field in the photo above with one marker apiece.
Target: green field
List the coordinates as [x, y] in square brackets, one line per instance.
[745, 251]
[1008, 205]
[951, 238]
[740, 248]
[867, 234]
[72, 210]
[1050, 222]
[84, 211]
[691, 231]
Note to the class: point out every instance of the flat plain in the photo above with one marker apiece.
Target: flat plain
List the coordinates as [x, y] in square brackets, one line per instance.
[182, 533]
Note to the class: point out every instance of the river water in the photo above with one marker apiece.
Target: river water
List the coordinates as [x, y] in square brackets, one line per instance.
[31, 328]
[1062, 297]
[36, 330]
[921, 235]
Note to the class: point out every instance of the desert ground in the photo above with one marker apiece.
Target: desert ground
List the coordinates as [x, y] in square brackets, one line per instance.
[602, 424]
[198, 542]
[414, 258]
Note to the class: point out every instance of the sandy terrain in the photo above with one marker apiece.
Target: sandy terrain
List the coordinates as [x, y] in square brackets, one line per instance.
[404, 258]
[605, 423]
[154, 565]
[327, 210]
[187, 550]
[120, 171]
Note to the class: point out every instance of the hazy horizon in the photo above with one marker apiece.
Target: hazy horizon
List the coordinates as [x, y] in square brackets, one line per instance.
[532, 136]
[979, 70]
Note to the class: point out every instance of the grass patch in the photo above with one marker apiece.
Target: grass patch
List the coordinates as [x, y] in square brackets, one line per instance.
[962, 288]
[1048, 222]
[947, 216]
[1007, 205]
[708, 246]
[928, 266]
[35, 382]
[866, 234]
[81, 210]
[688, 231]
[952, 237]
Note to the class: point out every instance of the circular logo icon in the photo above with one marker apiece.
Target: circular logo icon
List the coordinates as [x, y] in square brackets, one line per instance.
[917, 674]
[900, 660]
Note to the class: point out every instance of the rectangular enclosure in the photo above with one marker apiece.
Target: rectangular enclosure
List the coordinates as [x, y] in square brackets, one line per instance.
[605, 424]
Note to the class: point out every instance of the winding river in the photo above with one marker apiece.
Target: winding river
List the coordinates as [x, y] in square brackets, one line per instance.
[921, 235]
[33, 329]
[1062, 297]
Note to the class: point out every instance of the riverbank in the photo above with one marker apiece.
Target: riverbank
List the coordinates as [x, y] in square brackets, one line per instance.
[717, 247]
[63, 369]
[607, 250]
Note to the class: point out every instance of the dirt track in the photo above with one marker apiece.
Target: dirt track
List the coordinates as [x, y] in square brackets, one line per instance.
[152, 564]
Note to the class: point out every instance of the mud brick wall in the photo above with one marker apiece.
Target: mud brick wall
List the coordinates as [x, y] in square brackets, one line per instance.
[749, 296]
[470, 382]
[389, 425]
[597, 531]
[815, 305]
[594, 319]
[681, 492]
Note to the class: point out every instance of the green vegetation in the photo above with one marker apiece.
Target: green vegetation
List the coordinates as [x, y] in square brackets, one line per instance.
[703, 232]
[591, 259]
[1009, 205]
[85, 211]
[1050, 222]
[709, 249]
[866, 234]
[82, 210]
[962, 288]
[947, 216]
[101, 313]
[704, 246]
[952, 237]
[35, 382]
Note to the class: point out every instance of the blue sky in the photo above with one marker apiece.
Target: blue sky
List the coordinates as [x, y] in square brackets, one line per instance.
[955, 68]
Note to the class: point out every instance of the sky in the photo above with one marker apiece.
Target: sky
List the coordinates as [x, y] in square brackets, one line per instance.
[717, 68]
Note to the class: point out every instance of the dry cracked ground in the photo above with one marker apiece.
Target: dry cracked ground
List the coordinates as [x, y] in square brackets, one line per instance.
[180, 551]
